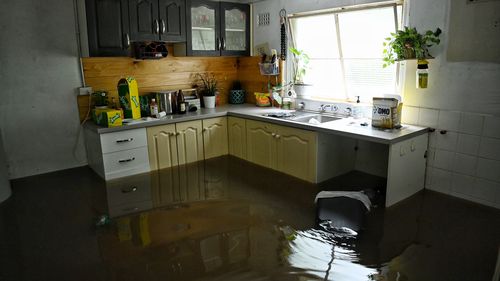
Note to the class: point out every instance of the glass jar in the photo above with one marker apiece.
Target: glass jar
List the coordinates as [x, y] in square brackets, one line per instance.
[422, 78]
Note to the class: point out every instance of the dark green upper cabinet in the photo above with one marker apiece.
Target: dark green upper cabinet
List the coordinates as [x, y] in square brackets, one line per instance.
[108, 27]
[172, 20]
[217, 28]
[153, 20]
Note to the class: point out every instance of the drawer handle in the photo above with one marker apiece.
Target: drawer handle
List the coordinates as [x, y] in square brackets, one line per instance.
[125, 140]
[128, 190]
[126, 160]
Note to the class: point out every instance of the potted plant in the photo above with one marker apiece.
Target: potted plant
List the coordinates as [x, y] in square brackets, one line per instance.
[409, 44]
[237, 94]
[300, 67]
[210, 91]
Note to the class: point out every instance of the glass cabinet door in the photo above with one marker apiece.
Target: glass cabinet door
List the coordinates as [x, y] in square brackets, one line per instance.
[204, 27]
[235, 29]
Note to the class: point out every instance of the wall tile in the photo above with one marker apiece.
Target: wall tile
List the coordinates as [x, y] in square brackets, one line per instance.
[449, 120]
[410, 115]
[463, 184]
[490, 148]
[447, 141]
[428, 117]
[441, 180]
[488, 169]
[492, 126]
[486, 190]
[471, 123]
[465, 164]
[444, 159]
[468, 144]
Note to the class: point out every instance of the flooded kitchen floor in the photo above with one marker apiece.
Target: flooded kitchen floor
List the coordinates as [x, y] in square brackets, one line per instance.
[226, 219]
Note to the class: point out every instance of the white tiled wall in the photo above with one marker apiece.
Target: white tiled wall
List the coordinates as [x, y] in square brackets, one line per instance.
[464, 161]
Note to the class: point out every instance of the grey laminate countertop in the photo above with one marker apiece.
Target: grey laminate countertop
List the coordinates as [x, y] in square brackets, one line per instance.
[348, 127]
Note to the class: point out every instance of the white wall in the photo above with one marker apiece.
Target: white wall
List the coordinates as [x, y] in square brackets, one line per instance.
[39, 73]
[463, 98]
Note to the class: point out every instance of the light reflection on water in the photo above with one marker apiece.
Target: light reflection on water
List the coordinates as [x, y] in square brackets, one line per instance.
[226, 219]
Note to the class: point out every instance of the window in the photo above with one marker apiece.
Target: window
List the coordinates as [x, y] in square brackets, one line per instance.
[345, 50]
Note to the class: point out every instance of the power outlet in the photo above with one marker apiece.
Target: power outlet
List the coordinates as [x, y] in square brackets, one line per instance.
[84, 91]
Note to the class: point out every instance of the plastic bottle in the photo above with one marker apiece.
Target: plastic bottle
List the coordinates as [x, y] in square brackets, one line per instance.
[181, 104]
[422, 78]
[153, 108]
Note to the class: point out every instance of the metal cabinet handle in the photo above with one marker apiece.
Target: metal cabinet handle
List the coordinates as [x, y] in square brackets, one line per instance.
[163, 26]
[131, 209]
[156, 26]
[278, 136]
[128, 190]
[223, 43]
[218, 44]
[126, 160]
[204, 129]
[127, 40]
[273, 135]
[125, 140]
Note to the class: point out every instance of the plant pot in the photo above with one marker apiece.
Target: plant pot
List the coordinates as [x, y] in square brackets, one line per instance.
[237, 97]
[303, 89]
[209, 101]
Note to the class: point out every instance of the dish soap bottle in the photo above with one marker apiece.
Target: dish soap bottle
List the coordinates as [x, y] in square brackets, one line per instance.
[153, 108]
[422, 74]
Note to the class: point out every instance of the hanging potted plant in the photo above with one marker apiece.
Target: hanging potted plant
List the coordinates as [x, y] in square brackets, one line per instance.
[300, 67]
[409, 44]
[210, 89]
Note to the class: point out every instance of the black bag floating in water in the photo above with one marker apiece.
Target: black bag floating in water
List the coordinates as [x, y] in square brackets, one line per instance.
[343, 211]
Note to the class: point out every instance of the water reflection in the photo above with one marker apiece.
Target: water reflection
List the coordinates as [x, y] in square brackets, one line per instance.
[226, 219]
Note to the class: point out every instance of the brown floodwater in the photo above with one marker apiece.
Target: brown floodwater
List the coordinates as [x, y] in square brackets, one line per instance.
[227, 219]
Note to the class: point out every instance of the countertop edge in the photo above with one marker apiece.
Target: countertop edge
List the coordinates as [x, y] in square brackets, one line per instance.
[236, 112]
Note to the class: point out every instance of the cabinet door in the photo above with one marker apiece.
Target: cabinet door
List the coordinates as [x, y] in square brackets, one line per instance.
[261, 144]
[108, 27]
[172, 20]
[235, 29]
[162, 147]
[296, 152]
[237, 137]
[406, 169]
[203, 32]
[189, 142]
[215, 137]
[144, 22]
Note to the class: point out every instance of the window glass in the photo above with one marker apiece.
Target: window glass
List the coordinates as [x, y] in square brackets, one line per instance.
[353, 68]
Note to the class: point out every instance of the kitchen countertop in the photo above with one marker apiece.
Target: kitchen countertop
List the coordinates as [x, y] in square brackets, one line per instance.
[348, 127]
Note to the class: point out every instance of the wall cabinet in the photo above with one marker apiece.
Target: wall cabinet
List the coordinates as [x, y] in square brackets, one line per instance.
[175, 144]
[217, 28]
[215, 137]
[153, 20]
[288, 150]
[237, 131]
[108, 27]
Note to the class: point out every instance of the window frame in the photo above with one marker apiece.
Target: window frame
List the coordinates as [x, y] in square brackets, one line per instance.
[398, 22]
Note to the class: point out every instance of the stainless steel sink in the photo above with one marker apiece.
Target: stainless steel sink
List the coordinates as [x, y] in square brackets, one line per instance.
[315, 118]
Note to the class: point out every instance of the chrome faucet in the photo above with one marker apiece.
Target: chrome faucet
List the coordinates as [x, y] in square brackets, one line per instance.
[323, 107]
[348, 111]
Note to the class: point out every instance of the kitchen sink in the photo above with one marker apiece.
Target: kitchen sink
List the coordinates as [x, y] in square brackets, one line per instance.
[315, 119]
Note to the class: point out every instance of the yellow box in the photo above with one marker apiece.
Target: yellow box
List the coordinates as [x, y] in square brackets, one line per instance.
[107, 117]
[128, 94]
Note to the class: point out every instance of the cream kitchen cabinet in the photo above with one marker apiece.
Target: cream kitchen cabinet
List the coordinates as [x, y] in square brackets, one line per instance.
[175, 144]
[215, 139]
[288, 150]
[237, 137]
[117, 154]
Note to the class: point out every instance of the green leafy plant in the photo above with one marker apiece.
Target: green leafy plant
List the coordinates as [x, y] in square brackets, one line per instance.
[409, 44]
[209, 83]
[301, 65]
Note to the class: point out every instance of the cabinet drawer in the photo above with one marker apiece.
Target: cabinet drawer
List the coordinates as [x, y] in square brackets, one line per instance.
[124, 140]
[129, 208]
[126, 163]
[129, 190]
